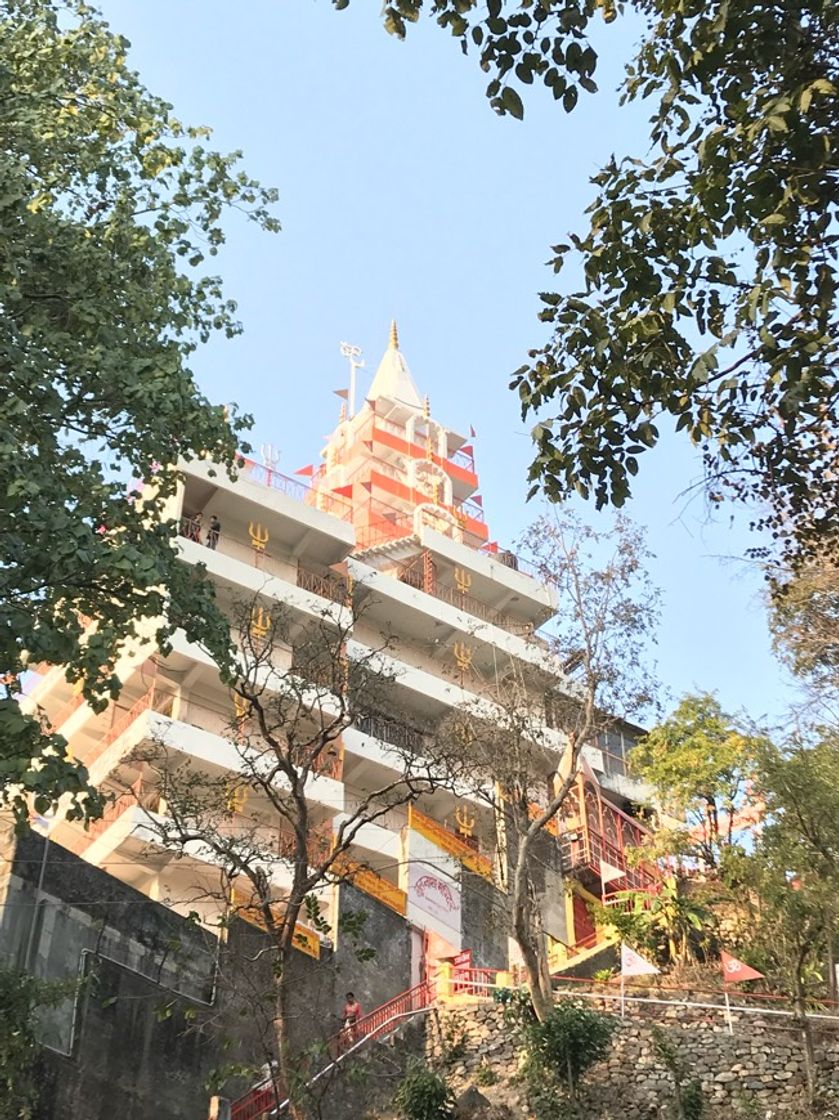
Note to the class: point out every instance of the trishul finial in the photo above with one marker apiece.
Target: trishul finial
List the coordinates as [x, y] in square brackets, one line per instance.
[394, 336]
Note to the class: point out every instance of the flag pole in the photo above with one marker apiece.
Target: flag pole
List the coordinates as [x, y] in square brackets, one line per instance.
[623, 995]
[728, 1013]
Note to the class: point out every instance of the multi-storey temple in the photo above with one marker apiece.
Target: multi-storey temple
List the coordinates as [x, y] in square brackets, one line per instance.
[393, 508]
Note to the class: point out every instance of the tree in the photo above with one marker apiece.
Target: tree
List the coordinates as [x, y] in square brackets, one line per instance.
[109, 207]
[256, 822]
[703, 762]
[706, 302]
[786, 888]
[668, 922]
[524, 744]
[804, 617]
[21, 996]
[558, 1050]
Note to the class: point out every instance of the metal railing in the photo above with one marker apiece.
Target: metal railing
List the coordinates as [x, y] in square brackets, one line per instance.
[413, 577]
[392, 731]
[262, 1099]
[296, 489]
[327, 586]
[142, 793]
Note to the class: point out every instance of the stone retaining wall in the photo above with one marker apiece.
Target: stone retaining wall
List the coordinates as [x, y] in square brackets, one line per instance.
[756, 1072]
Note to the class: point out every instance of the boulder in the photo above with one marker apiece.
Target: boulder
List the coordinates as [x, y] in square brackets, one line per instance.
[471, 1104]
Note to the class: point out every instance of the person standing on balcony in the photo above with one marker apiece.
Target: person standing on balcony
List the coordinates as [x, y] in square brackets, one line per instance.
[193, 528]
[213, 532]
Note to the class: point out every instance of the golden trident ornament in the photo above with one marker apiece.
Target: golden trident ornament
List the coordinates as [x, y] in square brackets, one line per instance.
[259, 539]
[463, 579]
[259, 536]
[260, 623]
[240, 706]
[235, 797]
[465, 822]
[462, 655]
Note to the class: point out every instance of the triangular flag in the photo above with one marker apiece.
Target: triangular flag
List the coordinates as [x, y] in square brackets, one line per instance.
[344, 394]
[345, 491]
[310, 470]
[633, 964]
[733, 971]
[588, 773]
[472, 431]
[478, 500]
[467, 449]
[608, 872]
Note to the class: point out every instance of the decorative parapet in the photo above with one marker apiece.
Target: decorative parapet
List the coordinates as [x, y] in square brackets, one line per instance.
[438, 834]
[534, 811]
[372, 884]
[306, 940]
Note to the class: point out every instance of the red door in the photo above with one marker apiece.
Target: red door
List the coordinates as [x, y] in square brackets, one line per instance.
[584, 926]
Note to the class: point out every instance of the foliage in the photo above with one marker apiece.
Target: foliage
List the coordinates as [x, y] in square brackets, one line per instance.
[485, 1075]
[522, 746]
[703, 761]
[674, 916]
[805, 624]
[707, 300]
[559, 1050]
[602, 975]
[21, 995]
[108, 208]
[786, 888]
[423, 1095]
[688, 1102]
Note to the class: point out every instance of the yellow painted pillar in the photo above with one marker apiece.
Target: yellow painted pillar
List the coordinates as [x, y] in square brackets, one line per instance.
[445, 981]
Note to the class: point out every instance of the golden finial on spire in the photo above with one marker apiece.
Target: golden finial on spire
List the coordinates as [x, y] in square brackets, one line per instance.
[394, 336]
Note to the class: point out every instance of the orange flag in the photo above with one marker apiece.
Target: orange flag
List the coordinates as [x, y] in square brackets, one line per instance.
[733, 971]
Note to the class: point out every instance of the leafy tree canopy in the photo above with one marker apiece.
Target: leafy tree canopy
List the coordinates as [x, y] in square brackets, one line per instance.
[702, 762]
[108, 208]
[805, 625]
[707, 299]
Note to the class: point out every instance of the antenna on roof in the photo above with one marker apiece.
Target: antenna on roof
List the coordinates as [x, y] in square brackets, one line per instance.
[352, 354]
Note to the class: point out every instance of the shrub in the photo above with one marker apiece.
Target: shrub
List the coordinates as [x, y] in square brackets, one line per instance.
[423, 1095]
[557, 1052]
[20, 997]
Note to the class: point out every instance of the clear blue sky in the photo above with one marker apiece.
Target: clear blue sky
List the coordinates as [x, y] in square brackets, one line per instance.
[402, 194]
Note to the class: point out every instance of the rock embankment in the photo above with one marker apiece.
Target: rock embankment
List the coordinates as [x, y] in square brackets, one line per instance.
[757, 1071]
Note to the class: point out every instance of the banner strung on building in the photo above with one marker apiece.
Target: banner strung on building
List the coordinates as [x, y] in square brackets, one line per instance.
[435, 894]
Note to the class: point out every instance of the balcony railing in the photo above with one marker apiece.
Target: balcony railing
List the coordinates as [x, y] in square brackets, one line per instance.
[237, 548]
[305, 939]
[298, 490]
[415, 578]
[155, 699]
[72, 705]
[392, 731]
[215, 721]
[142, 793]
[327, 586]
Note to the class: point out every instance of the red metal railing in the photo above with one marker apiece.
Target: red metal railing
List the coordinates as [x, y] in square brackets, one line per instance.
[141, 793]
[474, 981]
[72, 705]
[159, 701]
[327, 586]
[261, 1098]
[294, 488]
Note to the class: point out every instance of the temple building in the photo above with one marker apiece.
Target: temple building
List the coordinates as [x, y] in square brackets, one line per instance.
[393, 510]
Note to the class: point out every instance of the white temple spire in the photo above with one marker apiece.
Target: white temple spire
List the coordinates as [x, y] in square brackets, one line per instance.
[393, 378]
